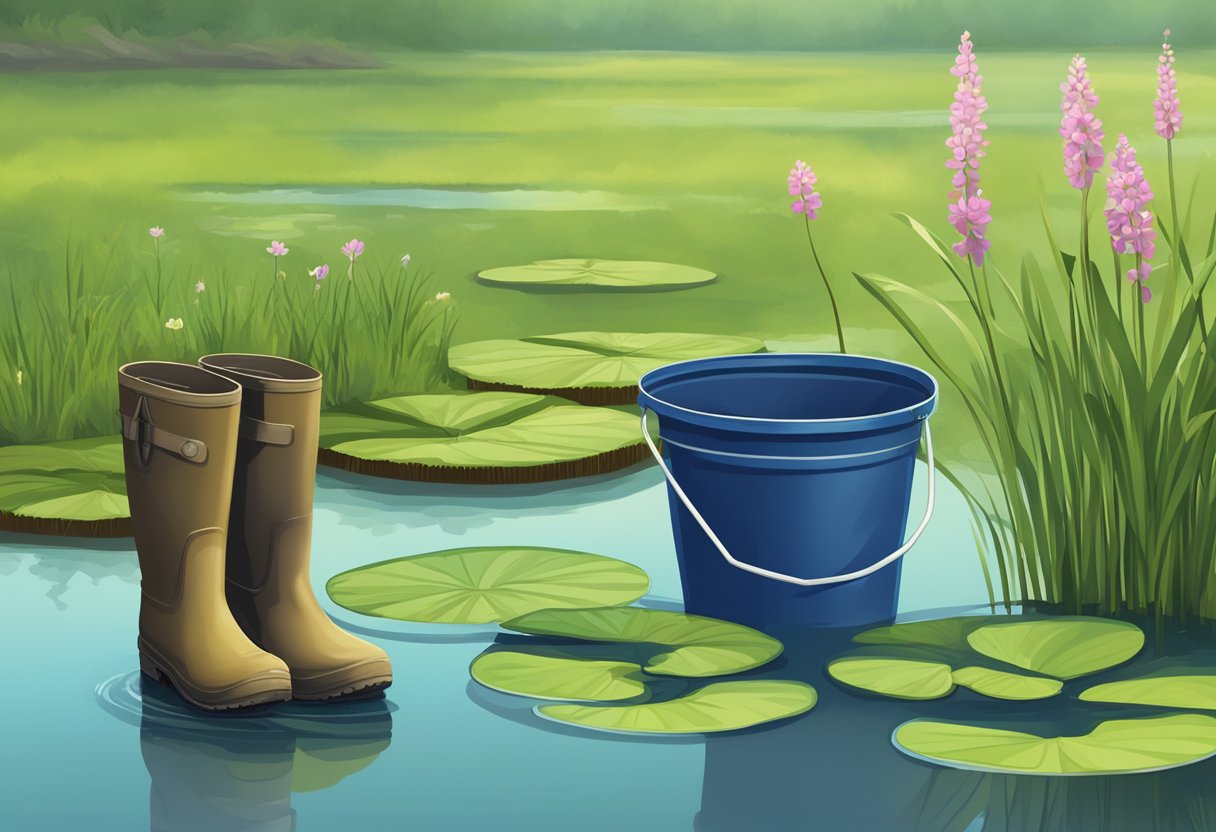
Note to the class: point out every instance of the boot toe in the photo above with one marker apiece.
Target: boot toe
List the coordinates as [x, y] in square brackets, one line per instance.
[365, 676]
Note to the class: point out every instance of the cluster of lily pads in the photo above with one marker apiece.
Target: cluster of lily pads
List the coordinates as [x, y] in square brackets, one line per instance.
[1031, 659]
[616, 668]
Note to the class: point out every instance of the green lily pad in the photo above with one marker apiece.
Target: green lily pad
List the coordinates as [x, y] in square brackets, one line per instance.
[478, 437]
[724, 706]
[73, 487]
[477, 586]
[940, 632]
[555, 677]
[589, 367]
[897, 678]
[702, 646]
[610, 274]
[1001, 685]
[1198, 691]
[1122, 746]
[1065, 647]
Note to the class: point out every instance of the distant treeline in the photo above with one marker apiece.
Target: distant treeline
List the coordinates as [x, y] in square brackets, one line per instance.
[643, 24]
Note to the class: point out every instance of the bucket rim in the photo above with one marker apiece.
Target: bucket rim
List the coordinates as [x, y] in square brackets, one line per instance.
[926, 404]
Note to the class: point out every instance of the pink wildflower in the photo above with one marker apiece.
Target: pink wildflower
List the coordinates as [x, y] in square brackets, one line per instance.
[1167, 118]
[1081, 129]
[802, 181]
[276, 248]
[156, 231]
[970, 214]
[353, 249]
[319, 273]
[1128, 219]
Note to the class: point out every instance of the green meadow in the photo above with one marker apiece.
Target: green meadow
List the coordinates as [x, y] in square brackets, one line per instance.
[472, 160]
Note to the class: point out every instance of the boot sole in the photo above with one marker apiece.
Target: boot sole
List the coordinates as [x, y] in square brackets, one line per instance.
[246, 694]
[348, 684]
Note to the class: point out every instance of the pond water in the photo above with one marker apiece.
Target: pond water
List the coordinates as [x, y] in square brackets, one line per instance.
[86, 748]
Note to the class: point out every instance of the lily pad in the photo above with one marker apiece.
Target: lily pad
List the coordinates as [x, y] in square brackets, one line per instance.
[897, 678]
[702, 646]
[477, 586]
[608, 274]
[68, 488]
[724, 706]
[594, 368]
[1065, 647]
[1198, 691]
[555, 677]
[1001, 685]
[939, 632]
[478, 438]
[1122, 746]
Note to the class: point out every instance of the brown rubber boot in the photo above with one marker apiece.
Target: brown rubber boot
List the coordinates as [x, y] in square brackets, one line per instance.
[271, 532]
[179, 444]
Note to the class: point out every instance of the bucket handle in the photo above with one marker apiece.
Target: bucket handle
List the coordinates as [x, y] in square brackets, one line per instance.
[780, 576]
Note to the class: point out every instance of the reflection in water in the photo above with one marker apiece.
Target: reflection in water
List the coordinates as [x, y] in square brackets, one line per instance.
[216, 773]
[1181, 800]
[58, 560]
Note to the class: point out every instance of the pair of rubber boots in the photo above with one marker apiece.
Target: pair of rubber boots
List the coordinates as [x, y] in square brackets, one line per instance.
[220, 460]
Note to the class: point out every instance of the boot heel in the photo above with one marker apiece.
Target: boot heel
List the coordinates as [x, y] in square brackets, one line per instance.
[149, 669]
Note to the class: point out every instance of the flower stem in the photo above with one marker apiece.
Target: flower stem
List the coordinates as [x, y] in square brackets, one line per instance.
[1140, 318]
[827, 284]
[1118, 297]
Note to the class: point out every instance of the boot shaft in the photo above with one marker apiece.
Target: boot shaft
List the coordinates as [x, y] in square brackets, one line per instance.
[179, 434]
[276, 465]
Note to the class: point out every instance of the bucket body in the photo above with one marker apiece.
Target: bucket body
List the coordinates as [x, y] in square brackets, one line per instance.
[801, 464]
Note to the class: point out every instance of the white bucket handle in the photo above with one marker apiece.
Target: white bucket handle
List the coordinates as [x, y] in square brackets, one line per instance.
[780, 576]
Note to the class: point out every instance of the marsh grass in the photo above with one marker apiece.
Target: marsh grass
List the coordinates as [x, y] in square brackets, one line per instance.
[378, 334]
[1096, 416]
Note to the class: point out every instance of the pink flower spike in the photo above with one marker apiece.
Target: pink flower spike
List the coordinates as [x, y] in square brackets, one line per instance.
[276, 248]
[968, 210]
[1146, 294]
[1080, 128]
[156, 231]
[801, 180]
[353, 249]
[1128, 220]
[320, 272]
[1167, 117]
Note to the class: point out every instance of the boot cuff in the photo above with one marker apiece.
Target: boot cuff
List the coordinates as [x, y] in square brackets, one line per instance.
[264, 373]
[183, 384]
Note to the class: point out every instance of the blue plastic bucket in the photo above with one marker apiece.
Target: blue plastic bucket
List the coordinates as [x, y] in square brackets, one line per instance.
[789, 479]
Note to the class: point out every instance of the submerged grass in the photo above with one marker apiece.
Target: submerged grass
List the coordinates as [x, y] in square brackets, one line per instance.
[381, 332]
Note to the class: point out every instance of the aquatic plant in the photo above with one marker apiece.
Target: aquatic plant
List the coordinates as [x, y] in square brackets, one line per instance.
[969, 210]
[67, 335]
[801, 180]
[1096, 489]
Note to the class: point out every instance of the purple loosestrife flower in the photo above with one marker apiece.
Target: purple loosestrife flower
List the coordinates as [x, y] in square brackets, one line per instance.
[1127, 219]
[1167, 118]
[802, 185]
[969, 214]
[1081, 129]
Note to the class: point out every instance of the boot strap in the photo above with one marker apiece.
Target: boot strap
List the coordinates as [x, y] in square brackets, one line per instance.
[266, 433]
[191, 450]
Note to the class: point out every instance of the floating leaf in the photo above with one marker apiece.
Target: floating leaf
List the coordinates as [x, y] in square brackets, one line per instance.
[703, 646]
[475, 437]
[1001, 685]
[1121, 746]
[724, 706]
[80, 481]
[575, 360]
[1198, 691]
[1065, 647]
[940, 632]
[898, 678]
[555, 677]
[615, 274]
[477, 586]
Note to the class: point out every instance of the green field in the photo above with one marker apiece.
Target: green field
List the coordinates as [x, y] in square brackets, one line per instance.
[663, 156]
